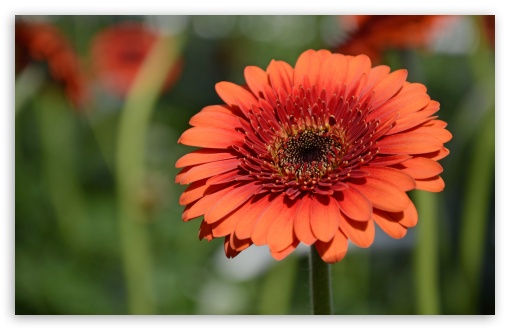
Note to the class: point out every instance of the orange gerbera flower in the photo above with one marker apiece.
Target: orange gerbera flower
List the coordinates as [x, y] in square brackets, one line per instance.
[44, 42]
[316, 154]
[118, 53]
[376, 33]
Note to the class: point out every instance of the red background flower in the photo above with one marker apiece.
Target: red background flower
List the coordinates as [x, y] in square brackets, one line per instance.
[43, 42]
[374, 34]
[118, 52]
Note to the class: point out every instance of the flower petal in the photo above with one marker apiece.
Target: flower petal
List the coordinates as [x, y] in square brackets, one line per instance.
[225, 226]
[374, 77]
[436, 123]
[361, 233]
[202, 156]
[409, 217]
[389, 160]
[434, 184]
[201, 206]
[230, 252]
[236, 96]
[227, 177]
[354, 205]
[193, 192]
[280, 75]
[334, 250]
[411, 98]
[358, 66]
[182, 173]
[219, 108]
[211, 137]
[205, 231]
[409, 143]
[249, 216]
[388, 87]
[396, 177]
[436, 155]
[302, 227]
[281, 232]
[324, 217]
[308, 65]
[280, 255]
[420, 167]
[439, 133]
[207, 170]
[382, 194]
[389, 223]
[333, 73]
[266, 219]
[257, 79]
[411, 120]
[239, 244]
[215, 119]
[231, 201]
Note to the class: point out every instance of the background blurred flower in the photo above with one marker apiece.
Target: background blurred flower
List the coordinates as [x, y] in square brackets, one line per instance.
[41, 41]
[118, 52]
[489, 28]
[373, 34]
[315, 154]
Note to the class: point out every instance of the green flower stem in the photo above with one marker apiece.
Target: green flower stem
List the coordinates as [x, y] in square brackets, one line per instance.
[56, 129]
[129, 174]
[476, 202]
[426, 254]
[320, 284]
[102, 133]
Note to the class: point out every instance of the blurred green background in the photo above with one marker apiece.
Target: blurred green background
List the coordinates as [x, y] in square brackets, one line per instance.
[98, 226]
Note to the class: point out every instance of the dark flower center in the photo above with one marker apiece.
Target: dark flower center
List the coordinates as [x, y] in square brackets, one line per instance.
[307, 156]
[306, 148]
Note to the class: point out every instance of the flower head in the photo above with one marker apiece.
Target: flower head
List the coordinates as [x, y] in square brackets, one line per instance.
[39, 41]
[118, 53]
[317, 154]
[376, 33]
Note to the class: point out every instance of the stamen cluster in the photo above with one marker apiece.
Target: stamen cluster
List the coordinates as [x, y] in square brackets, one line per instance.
[307, 156]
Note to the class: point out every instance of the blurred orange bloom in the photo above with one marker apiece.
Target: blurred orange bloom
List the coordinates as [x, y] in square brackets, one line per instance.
[118, 53]
[374, 34]
[317, 154]
[489, 29]
[41, 41]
